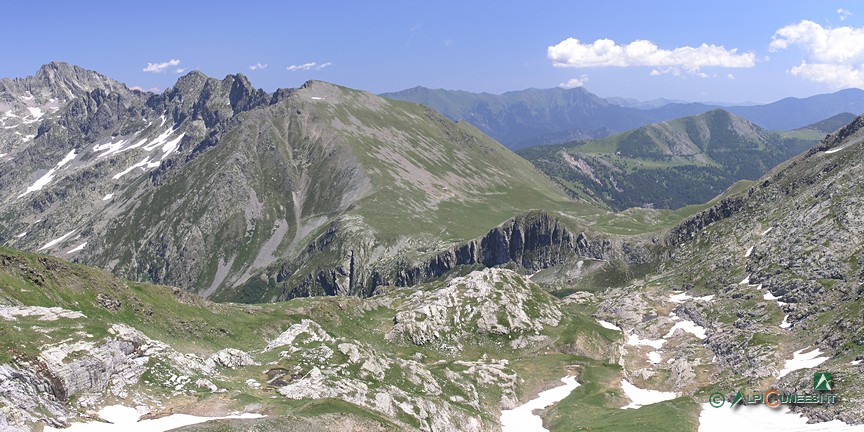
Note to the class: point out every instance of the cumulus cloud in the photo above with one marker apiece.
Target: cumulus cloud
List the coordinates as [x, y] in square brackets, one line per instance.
[605, 52]
[161, 67]
[151, 89]
[308, 66]
[843, 14]
[574, 82]
[258, 66]
[832, 56]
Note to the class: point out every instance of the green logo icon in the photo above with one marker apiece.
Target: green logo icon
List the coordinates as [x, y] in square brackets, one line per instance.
[823, 381]
[738, 399]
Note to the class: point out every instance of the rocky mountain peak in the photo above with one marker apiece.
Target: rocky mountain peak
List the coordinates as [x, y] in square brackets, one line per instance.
[67, 81]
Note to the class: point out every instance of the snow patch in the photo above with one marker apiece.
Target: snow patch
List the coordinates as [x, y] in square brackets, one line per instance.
[654, 357]
[682, 297]
[749, 251]
[785, 324]
[746, 281]
[802, 361]
[108, 197]
[21, 235]
[36, 113]
[767, 231]
[634, 340]
[49, 176]
[689, 327]
[855, 362]
[522, 418]
[834, 150]
[54, 242]
[641, 397]
[126, 419]
[77, 248]
[608, 325]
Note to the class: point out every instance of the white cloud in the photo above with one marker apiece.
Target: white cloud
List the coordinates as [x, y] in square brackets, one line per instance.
[843, 14]
[179, 70]
[161, 67]
[258, 66]
[730, 76]
[574, 82]
[151, 89]
[605, 52]
[308, 66]
[832, 56]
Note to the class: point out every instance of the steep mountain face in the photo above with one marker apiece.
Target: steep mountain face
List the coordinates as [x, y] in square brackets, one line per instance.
[669, 164]
[223, 189]
[783, 259]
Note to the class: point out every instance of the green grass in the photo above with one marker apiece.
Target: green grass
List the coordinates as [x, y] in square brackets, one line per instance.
[593, 406]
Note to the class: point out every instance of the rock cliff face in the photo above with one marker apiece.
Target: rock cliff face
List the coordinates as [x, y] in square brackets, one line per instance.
[530, 242]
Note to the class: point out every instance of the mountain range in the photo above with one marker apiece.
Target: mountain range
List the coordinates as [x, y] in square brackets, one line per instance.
[238, 194]
[526, 118]
[379, 267]
[670, 164]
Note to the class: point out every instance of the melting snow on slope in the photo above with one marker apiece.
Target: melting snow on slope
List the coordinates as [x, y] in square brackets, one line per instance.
[689, 327]
[746, 281]
[681, 297]
[144, 165]
[855, 362]
[77, 248]
[749, 251]
[608, 325]
[634, 340]
[763, 418]
[834, 150]
[803, 361]
[767, 231]
[56, 241]
[108, 197]
[2, 154]
[785, 324]
[126, 419]
[641, 397]
[522, 419]
[49, 176]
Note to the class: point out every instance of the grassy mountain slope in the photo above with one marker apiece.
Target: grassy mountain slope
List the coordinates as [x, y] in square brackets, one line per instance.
[218, 187]
[669, 164]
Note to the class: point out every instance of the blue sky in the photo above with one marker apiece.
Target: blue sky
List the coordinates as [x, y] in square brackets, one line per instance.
[753, 51]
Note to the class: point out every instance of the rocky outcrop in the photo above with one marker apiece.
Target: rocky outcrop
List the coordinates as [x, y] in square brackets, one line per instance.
[492, 301]
[532, 242]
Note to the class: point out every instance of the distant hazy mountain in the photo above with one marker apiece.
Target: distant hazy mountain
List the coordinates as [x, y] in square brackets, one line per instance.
[639, 104]
[531, 117]
[668, 164]
[830, 124]
[793, 113]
